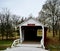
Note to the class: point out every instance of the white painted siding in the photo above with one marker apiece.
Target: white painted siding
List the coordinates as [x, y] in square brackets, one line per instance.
[31, 21]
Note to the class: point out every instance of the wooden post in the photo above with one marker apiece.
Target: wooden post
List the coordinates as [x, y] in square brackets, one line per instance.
[20, 35]
[45, 35]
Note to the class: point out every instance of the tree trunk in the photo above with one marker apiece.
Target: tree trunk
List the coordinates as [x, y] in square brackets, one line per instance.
[56, 31]
[49, 29]
[7, 35]
[59, 34]
[53, 27]
[59, 29]
[2, 36]
[53, 32]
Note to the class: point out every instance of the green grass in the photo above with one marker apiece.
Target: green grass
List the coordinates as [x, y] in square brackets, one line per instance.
[5, 44]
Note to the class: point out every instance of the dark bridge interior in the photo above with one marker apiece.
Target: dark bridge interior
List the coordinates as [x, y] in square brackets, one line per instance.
[30, 33]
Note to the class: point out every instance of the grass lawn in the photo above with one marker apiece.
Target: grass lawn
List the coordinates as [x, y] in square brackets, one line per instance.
[53, 43]
[5, 44]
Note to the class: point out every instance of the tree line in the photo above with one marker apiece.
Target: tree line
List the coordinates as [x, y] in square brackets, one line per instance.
[8, 23]
[50, 16]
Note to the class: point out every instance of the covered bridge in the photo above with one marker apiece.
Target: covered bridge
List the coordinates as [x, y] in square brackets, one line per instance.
[32, 30]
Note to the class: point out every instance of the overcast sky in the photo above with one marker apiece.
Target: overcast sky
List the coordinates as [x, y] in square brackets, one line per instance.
[23, 7]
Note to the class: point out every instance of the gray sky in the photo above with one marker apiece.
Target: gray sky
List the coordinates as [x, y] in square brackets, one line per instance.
[23, 7]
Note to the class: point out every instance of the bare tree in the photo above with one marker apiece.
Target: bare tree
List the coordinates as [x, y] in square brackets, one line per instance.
[2, 25]
[15, 20]
[6, 25]
[50, 9]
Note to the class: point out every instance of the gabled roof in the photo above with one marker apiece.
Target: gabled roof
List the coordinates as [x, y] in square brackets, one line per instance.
[31, 21]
